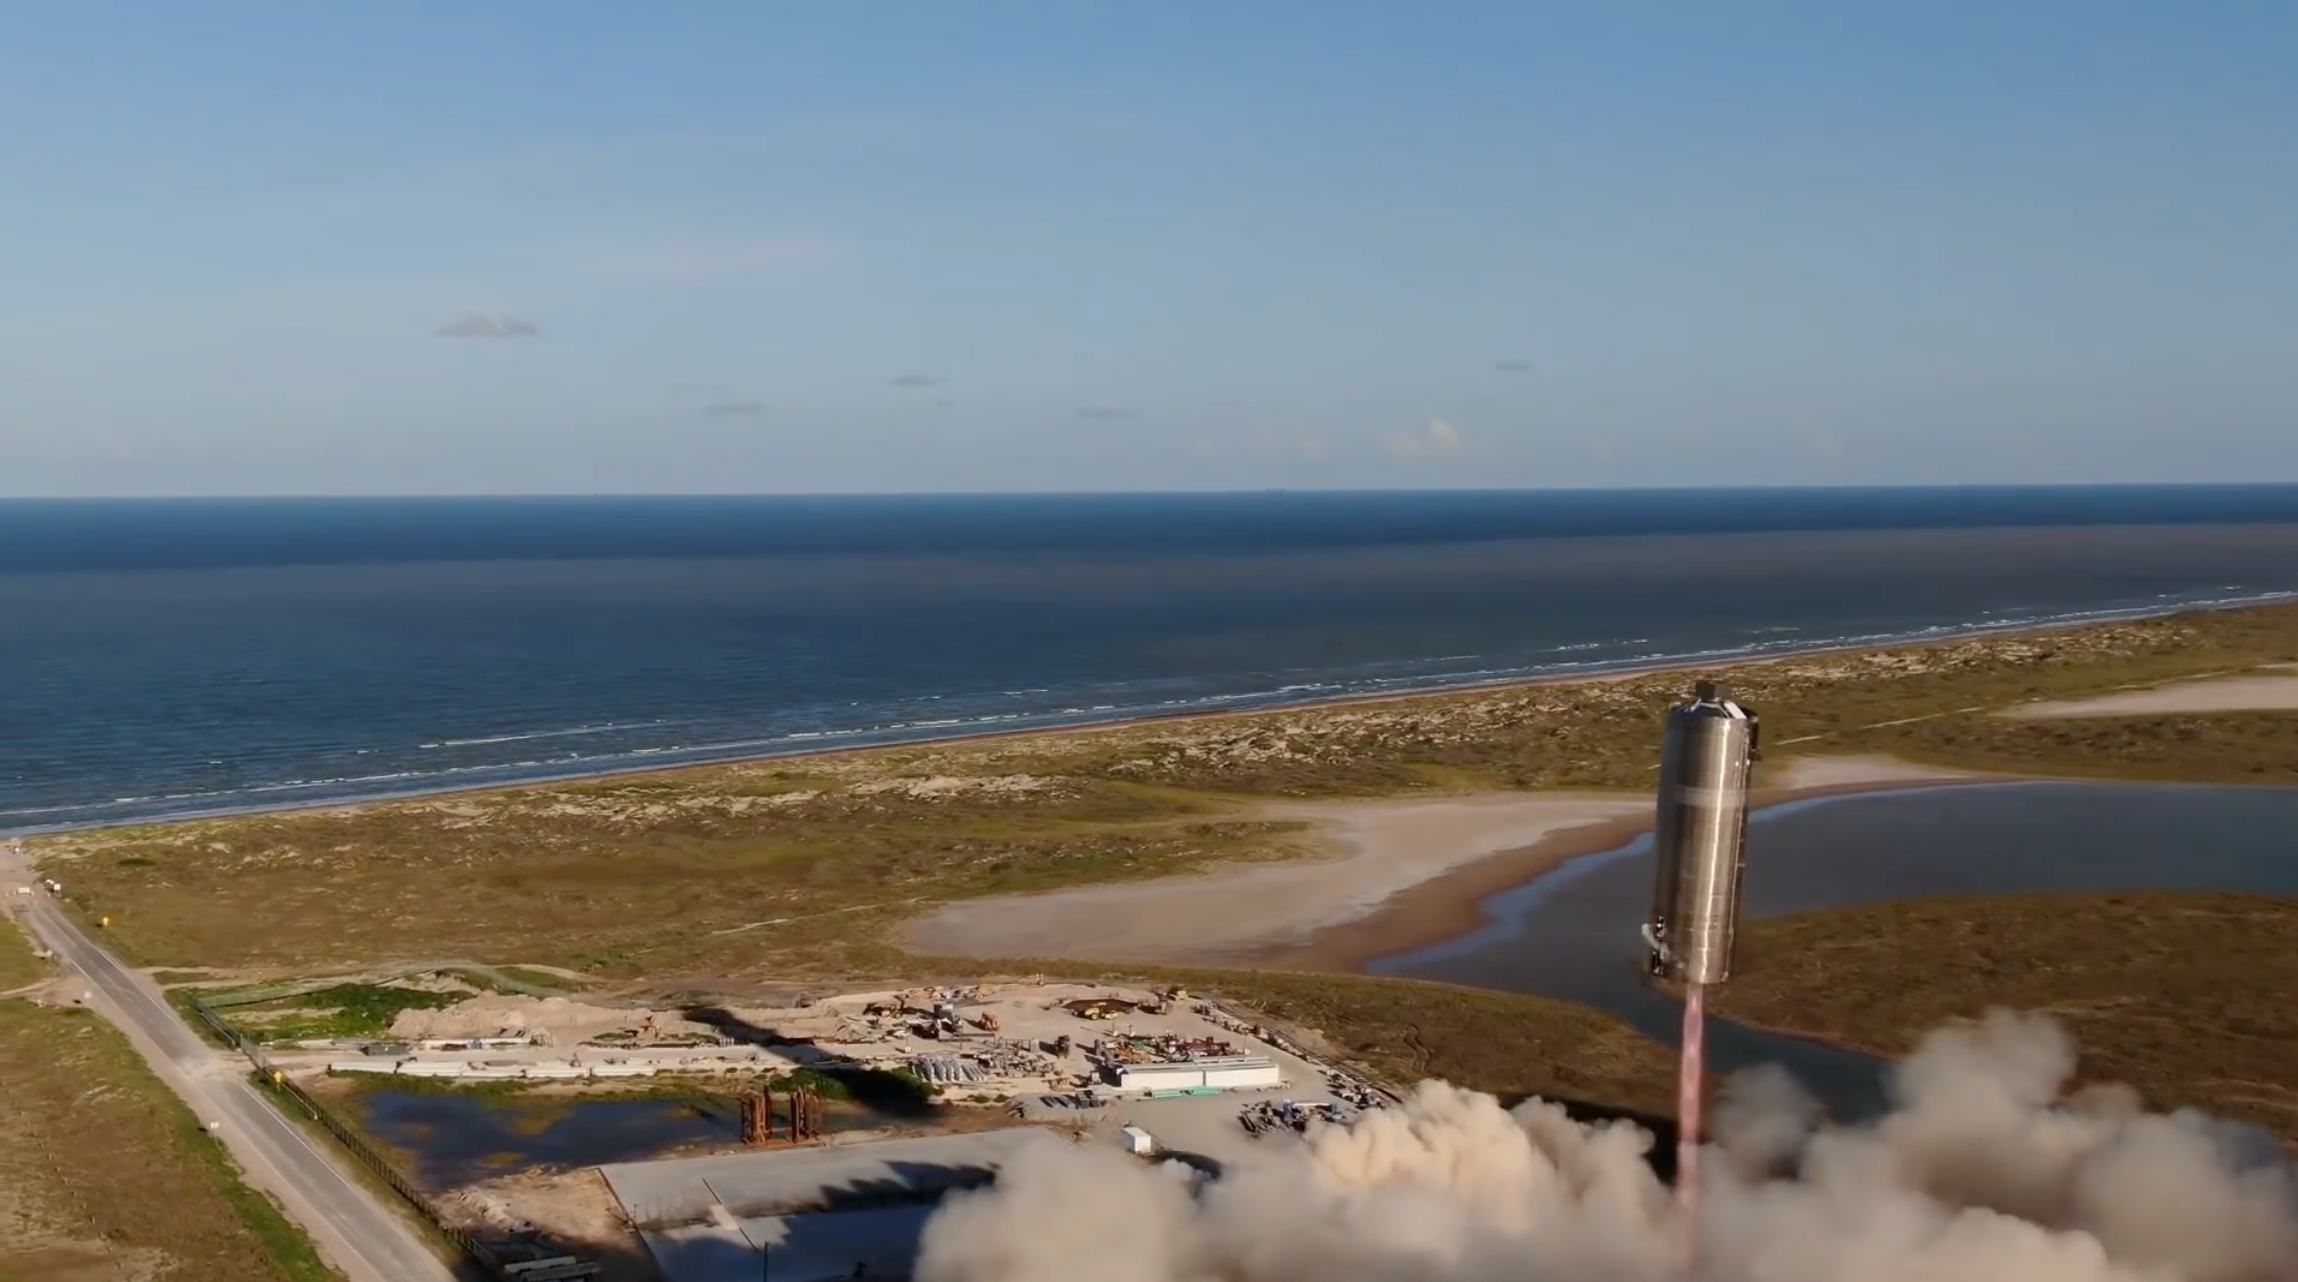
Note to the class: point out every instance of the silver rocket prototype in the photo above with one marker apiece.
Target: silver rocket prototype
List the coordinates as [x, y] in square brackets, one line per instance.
[1701, 837]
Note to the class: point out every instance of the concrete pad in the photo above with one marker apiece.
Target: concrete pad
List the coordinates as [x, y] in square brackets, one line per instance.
[771, 1182]
[820, 1247]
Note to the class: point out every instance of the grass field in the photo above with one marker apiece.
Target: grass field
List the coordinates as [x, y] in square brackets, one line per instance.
[2184, 996]
[339, 1010]
[795, 868]
[104, 1175]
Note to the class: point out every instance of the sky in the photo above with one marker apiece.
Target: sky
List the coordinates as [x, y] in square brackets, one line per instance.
[694, 247]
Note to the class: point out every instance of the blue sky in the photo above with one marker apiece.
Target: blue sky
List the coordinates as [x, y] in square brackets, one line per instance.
[417, 248]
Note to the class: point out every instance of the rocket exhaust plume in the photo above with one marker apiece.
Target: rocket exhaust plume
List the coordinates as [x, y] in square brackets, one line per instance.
[1690, 1085]
[1699, 849]
[1985, 1170]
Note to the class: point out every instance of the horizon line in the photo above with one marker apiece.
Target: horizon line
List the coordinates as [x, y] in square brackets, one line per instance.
[498, 495]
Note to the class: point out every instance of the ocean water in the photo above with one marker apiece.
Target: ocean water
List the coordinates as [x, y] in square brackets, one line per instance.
[176, 657]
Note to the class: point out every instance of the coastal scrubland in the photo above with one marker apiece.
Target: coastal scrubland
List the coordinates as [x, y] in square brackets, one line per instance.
[2184, 996]
[802, 870]
[800, 867]
[104, 1174]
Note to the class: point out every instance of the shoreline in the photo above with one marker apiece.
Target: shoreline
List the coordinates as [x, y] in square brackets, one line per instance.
[1403, 873]
[1697, 661]
[1451, 904]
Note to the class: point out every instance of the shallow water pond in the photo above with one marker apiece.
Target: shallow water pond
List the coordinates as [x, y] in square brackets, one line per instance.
[1573, 932]
[455, 1139]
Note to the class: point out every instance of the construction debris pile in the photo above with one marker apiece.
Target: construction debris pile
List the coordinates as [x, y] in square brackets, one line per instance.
[931, 1013]
[1222, 1019]
[988, 1061]
[1158, 1048]
[1354, 1092]
[1262, 1116]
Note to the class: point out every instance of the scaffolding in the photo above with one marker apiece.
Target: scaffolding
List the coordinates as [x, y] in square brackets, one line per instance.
[804, 1104]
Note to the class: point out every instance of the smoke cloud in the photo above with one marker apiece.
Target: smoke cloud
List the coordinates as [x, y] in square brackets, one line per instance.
[1985, 1170]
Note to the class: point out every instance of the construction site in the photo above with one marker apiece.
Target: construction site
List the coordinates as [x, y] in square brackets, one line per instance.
[821, 1132]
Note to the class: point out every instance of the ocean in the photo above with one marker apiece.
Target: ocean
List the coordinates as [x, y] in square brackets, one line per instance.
[173, 657]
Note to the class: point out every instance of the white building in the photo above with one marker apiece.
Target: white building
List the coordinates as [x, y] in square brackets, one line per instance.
[1220, 1073]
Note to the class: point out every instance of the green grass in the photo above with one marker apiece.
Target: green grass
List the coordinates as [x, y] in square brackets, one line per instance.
[360, 1085]
[2219, 747]
[887, 1090]
[340, 1010]
[18, 967]
[2184, 996]
[103, 1172]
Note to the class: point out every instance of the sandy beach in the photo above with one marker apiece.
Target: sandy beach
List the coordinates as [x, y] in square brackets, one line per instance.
[1405, 872]
[2266, 687]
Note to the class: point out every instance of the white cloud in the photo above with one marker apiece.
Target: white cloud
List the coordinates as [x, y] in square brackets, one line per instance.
[1437, 440]
[483, 325]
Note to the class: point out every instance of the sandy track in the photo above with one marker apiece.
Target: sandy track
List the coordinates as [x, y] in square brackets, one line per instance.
[2273, 689]
[1385, 849]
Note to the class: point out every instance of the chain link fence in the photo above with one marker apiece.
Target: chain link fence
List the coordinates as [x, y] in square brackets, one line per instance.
[345, 1134]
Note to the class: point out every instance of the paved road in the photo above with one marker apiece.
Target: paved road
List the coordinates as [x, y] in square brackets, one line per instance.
[367, 1240]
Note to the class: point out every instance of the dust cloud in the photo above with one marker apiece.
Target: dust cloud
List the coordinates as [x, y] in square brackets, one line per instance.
[1985, 1170]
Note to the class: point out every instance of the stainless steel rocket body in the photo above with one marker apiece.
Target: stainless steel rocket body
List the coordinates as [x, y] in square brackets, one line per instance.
[1701, 838]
